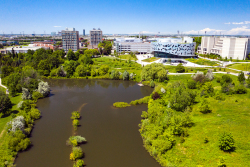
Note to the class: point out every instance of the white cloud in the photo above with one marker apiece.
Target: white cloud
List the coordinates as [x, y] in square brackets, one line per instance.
[57, 26]
[208, 31]
[237, 23]
[227, 23]
[244, 30]
[239, 31]
[243, 22]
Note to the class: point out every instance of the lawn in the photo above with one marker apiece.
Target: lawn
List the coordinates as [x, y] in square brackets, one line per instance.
[231, 115]
[203, 62]
[151, 59]
[240, 66]
[127, 57]
[15, 100]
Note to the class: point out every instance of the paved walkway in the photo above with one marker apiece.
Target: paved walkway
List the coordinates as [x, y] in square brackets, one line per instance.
[1, 84]
[194, 73]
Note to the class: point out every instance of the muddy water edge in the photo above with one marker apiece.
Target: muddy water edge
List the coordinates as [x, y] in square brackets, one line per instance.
[112, 134]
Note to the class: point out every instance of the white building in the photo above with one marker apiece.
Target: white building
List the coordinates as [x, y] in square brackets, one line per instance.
[235, 48]
[141, 47]
[19, 49]
[174, 47]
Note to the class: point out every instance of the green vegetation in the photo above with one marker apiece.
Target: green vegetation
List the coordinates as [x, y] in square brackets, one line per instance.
[128, 57]
[143, 100]
[151, 59]
[75, 141]
[240, 66]
[14, 137]
[184, 107]
[203, 62]
[75, 119]
[121, 104]
[180, 68]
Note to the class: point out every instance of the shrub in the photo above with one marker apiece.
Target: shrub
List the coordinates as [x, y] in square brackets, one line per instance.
[241, 77]
[19, 105]
[199, 77]
[79, 139]
[17, 123]
[204, 107]
[36, 95]
[26, 94]
[221, 162]
[143, 100]
[181, 97]
[207, 89]
[240, 89]
[115, 75]
[180, 68]
[75, 123]
[75, 115]
[79, 163]
[218, 79]
[125, 75]
[209, 76]
[155, 96]
[163, 90]
[120, 104]
[191, 84]
[226, 79]
[219, 96]
[152, 84]
[131, 76]
[227, 88]
[35, 113]
[76, 153]
[43, 88]
[226, 142]
[18, 141]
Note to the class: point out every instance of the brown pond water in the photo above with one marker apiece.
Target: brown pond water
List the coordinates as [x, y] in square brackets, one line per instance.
[112, 134]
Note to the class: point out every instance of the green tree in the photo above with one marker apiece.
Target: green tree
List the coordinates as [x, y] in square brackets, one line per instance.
[180, 68]
[226, 142]
[162, 75]
[80, 71]
[86, 59]
[241, 77]
[13, 82]
[149, 72]
[71, 55]
[5, 103]
[103, 70]
[125, 75]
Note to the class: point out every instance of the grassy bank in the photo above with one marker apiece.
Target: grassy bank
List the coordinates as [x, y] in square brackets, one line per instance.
[150, 59]
[127, 57]
[203, 62]
[197, 144]
[240, 66]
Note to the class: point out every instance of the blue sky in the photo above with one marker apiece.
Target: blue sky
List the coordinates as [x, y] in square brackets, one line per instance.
[127, 16]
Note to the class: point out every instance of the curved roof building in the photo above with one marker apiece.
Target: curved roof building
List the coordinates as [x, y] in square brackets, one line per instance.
[174, 47]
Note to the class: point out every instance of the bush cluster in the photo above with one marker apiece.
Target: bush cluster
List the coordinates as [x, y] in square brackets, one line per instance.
[121, 104]
[75, 119]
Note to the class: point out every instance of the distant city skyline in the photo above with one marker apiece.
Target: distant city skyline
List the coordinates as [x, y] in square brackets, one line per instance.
[127, 17]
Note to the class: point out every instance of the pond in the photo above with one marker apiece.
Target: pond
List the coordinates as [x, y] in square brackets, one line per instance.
[113, 138]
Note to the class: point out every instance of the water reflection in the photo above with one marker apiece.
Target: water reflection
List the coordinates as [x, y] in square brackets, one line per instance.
[112, 134]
